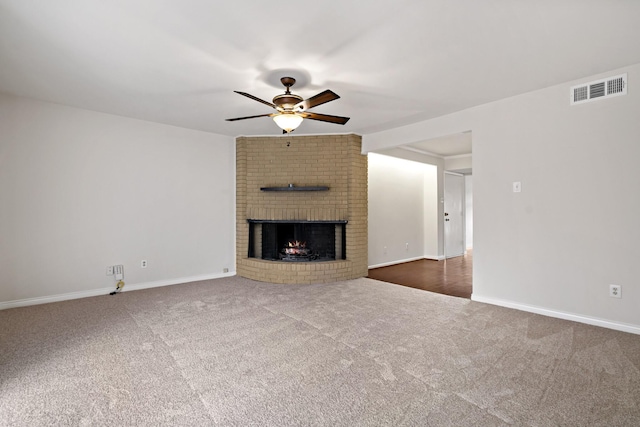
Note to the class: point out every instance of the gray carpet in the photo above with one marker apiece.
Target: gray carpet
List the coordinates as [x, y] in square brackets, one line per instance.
[358, 353]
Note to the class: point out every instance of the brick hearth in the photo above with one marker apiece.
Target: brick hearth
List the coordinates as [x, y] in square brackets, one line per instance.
[329, 160]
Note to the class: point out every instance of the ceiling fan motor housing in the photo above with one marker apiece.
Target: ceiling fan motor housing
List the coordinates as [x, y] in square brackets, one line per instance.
[286, 101]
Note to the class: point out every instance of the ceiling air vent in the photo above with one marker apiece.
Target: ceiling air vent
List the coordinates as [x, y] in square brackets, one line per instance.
[599, 89]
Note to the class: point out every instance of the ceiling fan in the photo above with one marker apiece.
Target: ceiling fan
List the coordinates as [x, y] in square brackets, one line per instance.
[292, 108]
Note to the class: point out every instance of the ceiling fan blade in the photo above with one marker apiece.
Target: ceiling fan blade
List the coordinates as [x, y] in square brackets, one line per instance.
[251, 117]
[316, 100]
[325, 118]
[256, 99]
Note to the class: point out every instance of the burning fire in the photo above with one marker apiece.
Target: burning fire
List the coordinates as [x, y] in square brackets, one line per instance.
[296, 247]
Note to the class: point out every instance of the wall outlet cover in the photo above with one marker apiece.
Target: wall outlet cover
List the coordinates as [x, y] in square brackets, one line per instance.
[615, 291]
[517, 187]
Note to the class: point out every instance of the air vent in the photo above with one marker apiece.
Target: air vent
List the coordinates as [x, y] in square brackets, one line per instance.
[599, 89]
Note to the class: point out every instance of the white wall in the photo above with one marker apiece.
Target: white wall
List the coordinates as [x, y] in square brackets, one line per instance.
[434, 224]
[556, 246]
[398, 209]
[81, 190]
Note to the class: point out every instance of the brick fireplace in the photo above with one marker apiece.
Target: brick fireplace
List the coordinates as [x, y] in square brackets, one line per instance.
[296, 184]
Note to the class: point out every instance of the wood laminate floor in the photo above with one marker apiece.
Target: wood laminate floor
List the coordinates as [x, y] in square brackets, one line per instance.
[449, 277]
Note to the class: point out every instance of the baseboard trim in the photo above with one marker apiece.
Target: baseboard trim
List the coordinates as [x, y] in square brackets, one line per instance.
[618, 326]
[399, 261]
[435, 257]
[105, 291]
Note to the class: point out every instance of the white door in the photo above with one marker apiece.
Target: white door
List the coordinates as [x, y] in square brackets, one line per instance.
[453, 215]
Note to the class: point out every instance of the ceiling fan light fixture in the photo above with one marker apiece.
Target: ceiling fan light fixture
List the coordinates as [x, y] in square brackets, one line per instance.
[288, 121]
[292, 108]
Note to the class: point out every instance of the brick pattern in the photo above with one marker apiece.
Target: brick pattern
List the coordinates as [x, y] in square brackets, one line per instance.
[328, 160]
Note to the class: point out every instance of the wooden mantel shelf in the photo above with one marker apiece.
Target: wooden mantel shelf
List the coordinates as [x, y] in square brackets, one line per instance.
[292, 187]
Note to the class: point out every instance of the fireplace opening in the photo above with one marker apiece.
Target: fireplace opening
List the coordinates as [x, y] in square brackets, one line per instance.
[297, 241]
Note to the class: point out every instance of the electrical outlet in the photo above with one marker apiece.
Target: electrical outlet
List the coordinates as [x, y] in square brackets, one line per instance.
[225, 270]
[615, 291]
[406, 246]
[110, 270]
[143, 263]
[384, 250]
[517, 187]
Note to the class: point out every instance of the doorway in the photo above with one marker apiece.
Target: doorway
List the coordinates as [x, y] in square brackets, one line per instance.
[445, 263]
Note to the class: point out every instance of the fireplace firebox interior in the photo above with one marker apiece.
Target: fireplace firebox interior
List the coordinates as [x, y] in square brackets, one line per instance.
[297, 241]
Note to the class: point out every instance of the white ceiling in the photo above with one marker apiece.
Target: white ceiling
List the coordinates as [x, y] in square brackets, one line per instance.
[453, 145]
[392, 62]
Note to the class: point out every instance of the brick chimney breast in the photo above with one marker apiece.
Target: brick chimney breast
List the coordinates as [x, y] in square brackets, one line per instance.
[333, 161]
